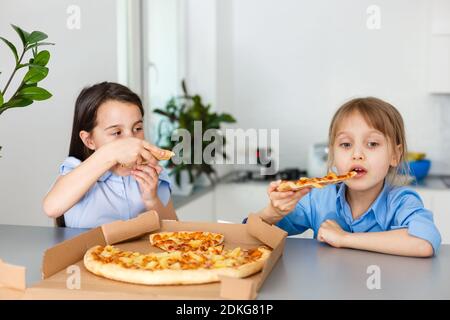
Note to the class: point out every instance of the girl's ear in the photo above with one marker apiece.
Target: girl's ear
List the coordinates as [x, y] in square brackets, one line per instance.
[87, 139]
[396, 155]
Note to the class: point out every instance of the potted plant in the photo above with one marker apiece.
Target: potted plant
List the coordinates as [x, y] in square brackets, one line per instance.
[180, 113]
[28, 90]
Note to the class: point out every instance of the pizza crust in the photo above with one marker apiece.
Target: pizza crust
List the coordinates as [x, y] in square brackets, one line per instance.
[166, 156]
[169, 276]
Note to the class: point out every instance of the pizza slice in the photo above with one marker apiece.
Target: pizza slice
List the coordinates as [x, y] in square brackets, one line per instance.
[175, 267]
[330, 178]
[167, 154]
[186, 240]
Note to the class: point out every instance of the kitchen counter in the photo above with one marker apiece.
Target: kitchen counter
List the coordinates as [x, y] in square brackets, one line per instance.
[432, 183]
[307, 270]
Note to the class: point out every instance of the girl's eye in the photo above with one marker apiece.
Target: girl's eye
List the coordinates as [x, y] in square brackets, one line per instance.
[138, 129]
[373, 144]
[116, 133]
[345, 145]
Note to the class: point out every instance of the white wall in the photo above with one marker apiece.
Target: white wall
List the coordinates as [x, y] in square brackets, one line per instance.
[36, 139]
[208, 48]
[283, 64]
[201, 48]
[290, 64]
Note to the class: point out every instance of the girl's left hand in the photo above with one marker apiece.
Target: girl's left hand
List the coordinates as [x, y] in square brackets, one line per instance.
[331, 232]
[147, 178]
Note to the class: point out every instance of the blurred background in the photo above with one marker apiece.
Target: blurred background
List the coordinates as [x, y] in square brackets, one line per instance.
[271, 64]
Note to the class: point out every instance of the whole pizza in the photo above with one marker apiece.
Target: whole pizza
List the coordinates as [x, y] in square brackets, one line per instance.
[189, 257]
[175, 267]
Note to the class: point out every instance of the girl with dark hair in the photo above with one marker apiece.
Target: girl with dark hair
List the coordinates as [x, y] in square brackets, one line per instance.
[104, 178]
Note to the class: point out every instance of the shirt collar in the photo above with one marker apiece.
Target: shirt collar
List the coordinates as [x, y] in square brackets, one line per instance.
[378, 207]
[105, 176]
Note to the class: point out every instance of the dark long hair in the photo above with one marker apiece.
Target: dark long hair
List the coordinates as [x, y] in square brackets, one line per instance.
[86, 106]
[85, 116]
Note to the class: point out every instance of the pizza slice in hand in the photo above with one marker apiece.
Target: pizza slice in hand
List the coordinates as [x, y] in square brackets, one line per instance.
[167, 154]
[330, 178]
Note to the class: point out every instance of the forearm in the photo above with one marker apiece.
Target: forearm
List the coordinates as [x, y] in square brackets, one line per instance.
[165, 212]
[70, 188]
[397, 242]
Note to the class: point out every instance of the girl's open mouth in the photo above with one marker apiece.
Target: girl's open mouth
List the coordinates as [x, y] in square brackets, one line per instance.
[360, 171]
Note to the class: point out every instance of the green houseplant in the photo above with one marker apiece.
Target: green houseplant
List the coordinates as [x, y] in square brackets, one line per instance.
[34, 62]
[180, 113]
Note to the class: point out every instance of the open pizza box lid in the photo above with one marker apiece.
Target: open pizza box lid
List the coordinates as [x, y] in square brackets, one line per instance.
[65, 277]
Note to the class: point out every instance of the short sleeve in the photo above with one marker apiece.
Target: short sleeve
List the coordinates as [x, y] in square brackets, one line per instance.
[164, 187]
[299, 220]
[68, 165]
[410, 213]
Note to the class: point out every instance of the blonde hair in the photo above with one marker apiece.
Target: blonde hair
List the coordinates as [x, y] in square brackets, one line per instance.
[383, 117]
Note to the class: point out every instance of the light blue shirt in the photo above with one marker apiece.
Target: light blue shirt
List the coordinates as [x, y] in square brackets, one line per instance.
[111, 198]
[394, 208]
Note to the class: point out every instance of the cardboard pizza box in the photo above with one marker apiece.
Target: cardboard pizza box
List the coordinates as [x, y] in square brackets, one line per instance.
[65, 277]
[12, 281]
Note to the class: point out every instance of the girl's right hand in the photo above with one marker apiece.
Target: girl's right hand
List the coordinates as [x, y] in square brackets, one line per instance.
[128, 152]
[284, 202]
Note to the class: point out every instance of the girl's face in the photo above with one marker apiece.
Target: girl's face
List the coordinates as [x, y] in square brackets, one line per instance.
[364, 149]
[115, 120]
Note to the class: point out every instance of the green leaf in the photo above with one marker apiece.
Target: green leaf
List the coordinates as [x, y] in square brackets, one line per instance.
[225, 117]
[12, 47]
[216, 120]
[35, 75]
[18, 102]
[28, 85]
[34, 93]
[31, 65]
[36, 36]
[40, 44]
[1, 99]
[42, 58]
[22, 34]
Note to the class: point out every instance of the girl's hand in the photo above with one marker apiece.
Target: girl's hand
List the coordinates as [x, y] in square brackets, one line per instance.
[147, 178]
[331, 232]
[284, 202]
[130, 151]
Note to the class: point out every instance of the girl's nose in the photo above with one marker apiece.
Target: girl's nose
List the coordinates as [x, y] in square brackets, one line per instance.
[358, 156]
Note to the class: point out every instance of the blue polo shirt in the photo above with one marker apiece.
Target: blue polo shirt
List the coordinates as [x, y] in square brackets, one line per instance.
[111, 198]
[394, 208]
